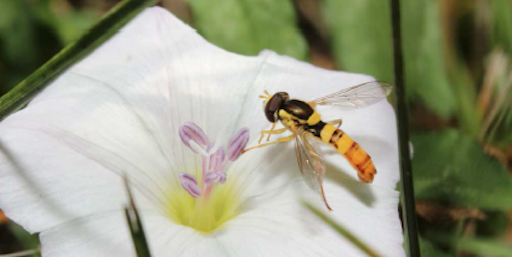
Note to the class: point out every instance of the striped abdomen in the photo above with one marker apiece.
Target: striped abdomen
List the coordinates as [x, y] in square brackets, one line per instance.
[351, 150]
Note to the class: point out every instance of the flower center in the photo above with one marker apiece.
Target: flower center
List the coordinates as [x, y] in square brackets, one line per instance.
[209, 203]
[204, 214]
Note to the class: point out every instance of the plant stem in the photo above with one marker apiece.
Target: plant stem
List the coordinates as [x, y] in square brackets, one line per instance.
[408, 204]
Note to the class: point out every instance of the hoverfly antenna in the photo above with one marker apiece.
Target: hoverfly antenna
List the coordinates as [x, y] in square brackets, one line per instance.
[266, 95]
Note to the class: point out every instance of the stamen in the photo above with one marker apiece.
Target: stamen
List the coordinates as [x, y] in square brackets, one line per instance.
[211, 178]
[222, 177]
[217, 160]
[197, 149]
[190, 132]
[209, 207]
[214, 177]
[237, 144]
[189, 183]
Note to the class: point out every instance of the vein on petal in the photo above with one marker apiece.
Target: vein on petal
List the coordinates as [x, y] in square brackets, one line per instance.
[137, 116]
[107, 165]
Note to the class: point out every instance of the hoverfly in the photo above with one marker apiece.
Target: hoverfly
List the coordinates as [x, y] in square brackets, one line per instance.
[308, 130]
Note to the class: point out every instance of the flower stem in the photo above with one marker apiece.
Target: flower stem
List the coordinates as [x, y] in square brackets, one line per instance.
[408, 203]
[99, 33]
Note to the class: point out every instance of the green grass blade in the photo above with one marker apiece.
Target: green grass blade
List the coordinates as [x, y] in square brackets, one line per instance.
[342, 231]
[25, 253]
[135, 225]
[408, 203]
[99, 33]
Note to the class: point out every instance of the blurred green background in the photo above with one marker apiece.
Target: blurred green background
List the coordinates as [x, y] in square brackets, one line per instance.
[458, 64]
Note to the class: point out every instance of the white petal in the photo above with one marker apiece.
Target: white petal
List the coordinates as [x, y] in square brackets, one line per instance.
[106, 234]
[274, 217]
[121, 108]
[280, 224]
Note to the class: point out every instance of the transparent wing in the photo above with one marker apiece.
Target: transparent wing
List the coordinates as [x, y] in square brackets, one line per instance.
[356, 97]
[310, 160]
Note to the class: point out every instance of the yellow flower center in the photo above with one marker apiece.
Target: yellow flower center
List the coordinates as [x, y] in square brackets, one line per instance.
[204, 214]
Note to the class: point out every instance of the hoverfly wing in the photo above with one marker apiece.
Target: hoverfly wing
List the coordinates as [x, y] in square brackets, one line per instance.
[356, 97]
[310, 162]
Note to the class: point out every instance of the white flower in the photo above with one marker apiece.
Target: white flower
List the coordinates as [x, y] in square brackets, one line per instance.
[119, 111]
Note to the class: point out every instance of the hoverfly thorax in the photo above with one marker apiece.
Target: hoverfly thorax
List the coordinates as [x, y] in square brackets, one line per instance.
[273, 105]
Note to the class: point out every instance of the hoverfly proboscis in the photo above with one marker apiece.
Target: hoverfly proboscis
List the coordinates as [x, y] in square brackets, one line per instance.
[302, 119]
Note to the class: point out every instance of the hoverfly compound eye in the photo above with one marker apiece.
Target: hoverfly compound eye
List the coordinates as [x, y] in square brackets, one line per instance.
[272, 106]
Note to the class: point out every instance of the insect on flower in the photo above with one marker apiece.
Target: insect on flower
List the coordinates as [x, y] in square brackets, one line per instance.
[308, 130]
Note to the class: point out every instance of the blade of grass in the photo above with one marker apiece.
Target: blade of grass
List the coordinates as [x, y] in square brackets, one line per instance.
[99, 33]
[342, 231]
[22, 253]
[135, 225]
[408, 204]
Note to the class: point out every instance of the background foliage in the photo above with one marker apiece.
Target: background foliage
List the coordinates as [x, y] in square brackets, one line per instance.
[458, 76]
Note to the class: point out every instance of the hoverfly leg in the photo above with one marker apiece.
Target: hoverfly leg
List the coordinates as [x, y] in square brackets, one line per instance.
[271, 129]
[325, 198]
[335, 122]
[280, 140]
[271, 132]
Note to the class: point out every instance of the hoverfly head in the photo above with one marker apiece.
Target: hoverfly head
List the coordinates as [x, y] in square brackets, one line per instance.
[273, 103]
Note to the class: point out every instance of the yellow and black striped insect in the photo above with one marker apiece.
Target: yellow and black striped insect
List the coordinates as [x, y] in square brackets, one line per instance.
[302, 119]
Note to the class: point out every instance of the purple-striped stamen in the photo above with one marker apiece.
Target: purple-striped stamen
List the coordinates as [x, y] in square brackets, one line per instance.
[214, 159]
[189, 183]
[237, 144]
[217, 160]
[190, 132]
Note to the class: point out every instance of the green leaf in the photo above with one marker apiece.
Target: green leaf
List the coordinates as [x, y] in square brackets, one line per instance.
[428, 249]
[484, 247]
[495, 224]
[426, 75]
[249, 26]
[450, 167]
[468, 116]
[70, 23]
[98, 34]
[25, 42]
[361, 39]
[361, 36]
[26, 240]
[501, 24]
